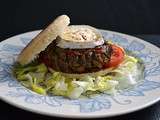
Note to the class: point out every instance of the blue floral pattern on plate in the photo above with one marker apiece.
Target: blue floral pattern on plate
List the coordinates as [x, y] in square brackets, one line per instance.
[8, 53]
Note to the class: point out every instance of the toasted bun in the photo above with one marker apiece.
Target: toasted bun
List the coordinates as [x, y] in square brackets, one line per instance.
[43, 39]
[93, 74]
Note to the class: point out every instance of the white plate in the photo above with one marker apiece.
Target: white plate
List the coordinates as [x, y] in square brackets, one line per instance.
[141, 96]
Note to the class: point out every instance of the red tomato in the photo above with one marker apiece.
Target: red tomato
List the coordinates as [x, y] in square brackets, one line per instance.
[116, 57]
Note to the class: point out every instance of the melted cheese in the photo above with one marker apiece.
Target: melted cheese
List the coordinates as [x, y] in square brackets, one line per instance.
[80, 36]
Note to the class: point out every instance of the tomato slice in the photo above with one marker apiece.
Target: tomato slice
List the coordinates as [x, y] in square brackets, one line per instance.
[116, 58]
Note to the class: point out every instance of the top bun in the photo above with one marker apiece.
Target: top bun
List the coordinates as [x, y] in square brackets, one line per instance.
[43, 39]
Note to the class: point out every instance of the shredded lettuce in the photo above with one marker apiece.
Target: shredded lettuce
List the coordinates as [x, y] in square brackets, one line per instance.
[38, 89]
[39, 79]
[127, 73]
[32, 76]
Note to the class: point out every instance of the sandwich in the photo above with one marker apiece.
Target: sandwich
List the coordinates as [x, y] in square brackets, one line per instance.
[74, 61]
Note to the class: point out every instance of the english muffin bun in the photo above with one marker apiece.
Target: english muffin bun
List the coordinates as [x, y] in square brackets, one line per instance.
[43, 39]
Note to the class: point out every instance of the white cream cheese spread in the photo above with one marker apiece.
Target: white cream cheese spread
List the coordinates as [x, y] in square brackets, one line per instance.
[80, 36]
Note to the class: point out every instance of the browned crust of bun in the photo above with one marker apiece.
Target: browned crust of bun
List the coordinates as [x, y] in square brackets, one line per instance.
[43, 39]
[93, 74]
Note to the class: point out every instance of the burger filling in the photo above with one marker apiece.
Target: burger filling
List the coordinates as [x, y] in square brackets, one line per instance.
[76, 60]
[80, 50]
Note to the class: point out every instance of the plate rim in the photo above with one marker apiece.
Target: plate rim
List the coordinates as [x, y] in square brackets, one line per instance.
[79, 116]
[137, 108]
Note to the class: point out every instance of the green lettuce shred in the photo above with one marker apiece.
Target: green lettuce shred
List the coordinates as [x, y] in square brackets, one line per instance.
[37, 78]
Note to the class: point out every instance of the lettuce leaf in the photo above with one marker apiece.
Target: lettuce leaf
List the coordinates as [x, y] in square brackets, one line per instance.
[37, 78]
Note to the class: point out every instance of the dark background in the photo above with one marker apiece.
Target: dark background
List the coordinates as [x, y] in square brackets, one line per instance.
[134, 17]
[126, 16]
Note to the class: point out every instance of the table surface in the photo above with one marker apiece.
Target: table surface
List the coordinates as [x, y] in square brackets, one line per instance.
[8, 112]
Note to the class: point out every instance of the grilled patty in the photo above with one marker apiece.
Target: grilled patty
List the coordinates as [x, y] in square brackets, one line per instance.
[76, 60]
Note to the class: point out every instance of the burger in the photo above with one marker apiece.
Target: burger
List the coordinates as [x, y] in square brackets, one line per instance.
[74, 61]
